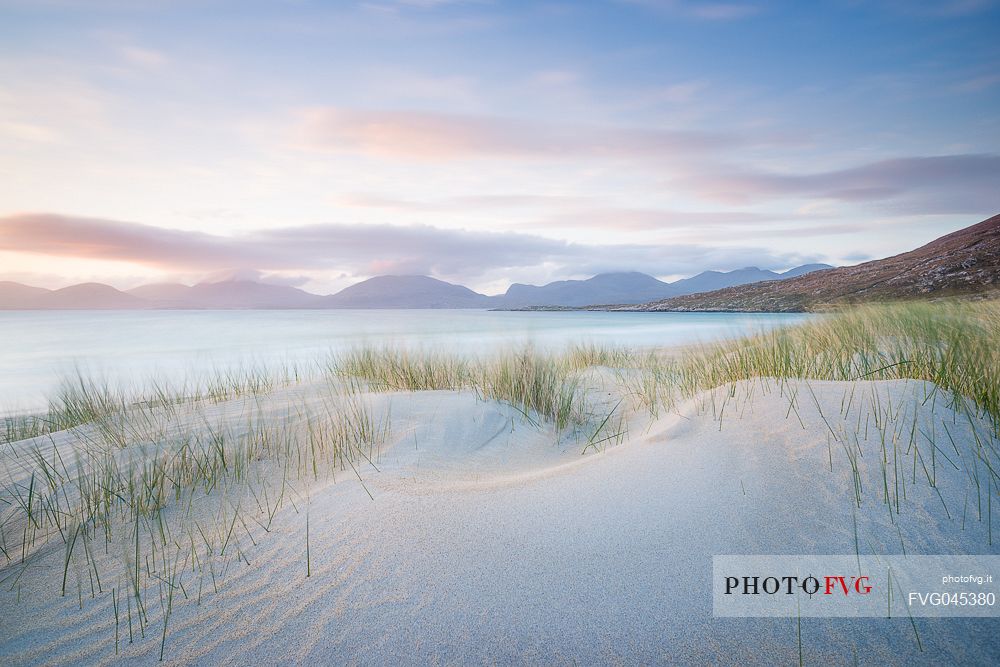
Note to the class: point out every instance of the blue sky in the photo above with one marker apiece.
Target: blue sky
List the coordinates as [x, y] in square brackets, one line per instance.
[486, 142]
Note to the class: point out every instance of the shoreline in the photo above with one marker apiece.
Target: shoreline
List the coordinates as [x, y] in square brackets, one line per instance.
[461, 540]
[559, 507]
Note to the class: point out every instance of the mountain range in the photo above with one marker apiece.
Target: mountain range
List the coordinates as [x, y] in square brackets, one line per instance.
[633, 287]
[380, 292]
[963, 263]
[966, 262]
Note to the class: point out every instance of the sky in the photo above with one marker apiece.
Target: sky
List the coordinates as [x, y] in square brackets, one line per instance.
[485, 142]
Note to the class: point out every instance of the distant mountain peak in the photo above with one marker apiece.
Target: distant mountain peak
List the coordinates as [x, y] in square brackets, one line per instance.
[966, 262]
[244, 290]
[407, 291]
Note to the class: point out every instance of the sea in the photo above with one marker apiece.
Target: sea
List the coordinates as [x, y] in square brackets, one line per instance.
[41, 349]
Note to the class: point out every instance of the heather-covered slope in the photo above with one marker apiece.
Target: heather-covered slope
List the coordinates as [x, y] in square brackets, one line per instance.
[966, 262]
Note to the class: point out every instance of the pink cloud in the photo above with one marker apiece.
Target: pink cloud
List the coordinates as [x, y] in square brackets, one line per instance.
[444, 136]
[937, 184]
[648, 219]
[358, 249]
[464, 203]
[95, 238]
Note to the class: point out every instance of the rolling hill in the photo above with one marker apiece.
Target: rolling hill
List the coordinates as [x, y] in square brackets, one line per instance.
[16, 295]
[406, 292]
[378, 292]
[86, 296]
[226, 294]
[963, 263]
[634, 287]
[603, 288]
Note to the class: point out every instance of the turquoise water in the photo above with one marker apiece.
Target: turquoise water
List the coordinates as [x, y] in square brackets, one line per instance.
[39, 348]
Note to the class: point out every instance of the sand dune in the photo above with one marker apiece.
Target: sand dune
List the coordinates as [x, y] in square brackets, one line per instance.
[479, 537]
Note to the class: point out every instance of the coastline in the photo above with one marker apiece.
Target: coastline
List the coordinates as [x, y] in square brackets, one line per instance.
[416, 561]
[408, 507]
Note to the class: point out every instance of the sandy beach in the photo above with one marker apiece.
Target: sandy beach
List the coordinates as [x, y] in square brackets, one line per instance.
[477, 534]
[469, 332]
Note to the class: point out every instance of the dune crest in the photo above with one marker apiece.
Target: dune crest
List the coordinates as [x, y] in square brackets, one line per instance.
[452, 544]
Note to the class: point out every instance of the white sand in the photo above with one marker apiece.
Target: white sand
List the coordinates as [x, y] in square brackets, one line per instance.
[488, 542]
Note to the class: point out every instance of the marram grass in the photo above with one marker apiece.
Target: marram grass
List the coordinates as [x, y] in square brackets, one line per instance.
[84, 400]
[183, 486]
[953, 345]
[188, 494]
[535, 383]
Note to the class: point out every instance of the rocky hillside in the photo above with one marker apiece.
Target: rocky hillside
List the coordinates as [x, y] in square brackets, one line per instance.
[966, 262]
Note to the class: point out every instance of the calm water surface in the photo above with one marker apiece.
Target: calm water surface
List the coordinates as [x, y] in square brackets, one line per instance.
[39, 348]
